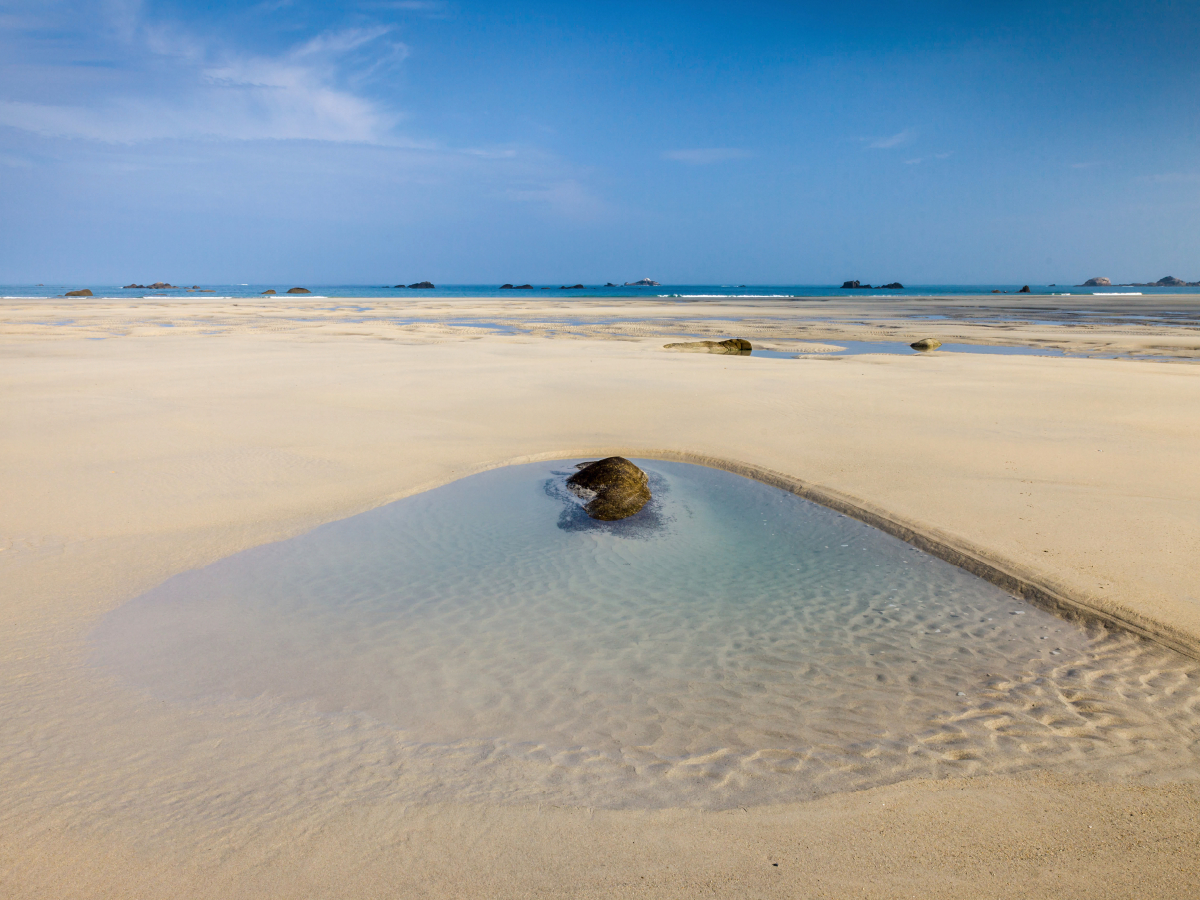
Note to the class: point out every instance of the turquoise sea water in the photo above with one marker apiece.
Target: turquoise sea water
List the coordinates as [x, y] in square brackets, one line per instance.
[730, 644]
[680, 291]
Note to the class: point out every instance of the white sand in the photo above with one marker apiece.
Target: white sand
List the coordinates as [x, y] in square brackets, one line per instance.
[135, 457]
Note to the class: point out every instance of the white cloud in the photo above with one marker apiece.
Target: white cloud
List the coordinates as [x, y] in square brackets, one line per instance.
[707, 156]
[210, 94]
[896, 140]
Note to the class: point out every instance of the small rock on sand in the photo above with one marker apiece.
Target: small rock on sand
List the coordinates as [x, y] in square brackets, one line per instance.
[926, 344]
[738, 346]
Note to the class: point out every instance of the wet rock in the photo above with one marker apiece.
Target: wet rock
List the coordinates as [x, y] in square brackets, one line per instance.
[299, 291]
[269, 291]
[645, 282]
[614, 488]
[737, 346]
[1097, 282]
[926, 344]
[84, 293]
[422, 286]
[1024, 290]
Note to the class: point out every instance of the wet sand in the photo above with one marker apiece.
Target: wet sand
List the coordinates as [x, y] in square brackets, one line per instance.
[146, 439]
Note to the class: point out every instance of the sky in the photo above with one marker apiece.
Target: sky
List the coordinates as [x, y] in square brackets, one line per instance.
[389, 141]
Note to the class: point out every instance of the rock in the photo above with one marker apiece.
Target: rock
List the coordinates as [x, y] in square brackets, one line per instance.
[926, 344]
[645, 282]
[1170, 281]
[849, 284]
[299, 291]
[162, 286]
[422, 286]
[269, 291]
[1024, 290]
[614, 488]
[1097, 282]
[516, 287]
[84, 293]
[894, 286]
[574, 287]
[610, 284]
[130, 287]
[738, 346]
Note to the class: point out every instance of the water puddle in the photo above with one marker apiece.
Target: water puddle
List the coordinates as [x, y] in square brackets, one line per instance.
[731, 644]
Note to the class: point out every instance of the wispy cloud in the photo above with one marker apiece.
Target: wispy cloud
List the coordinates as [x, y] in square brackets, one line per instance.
[706, 156]
[920, 159]
[211, 92]
[896, 140]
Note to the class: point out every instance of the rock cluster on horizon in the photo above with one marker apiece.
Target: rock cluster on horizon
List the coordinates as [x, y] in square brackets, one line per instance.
[518, 287]
[419, 286]
[894, 286]
[614, 488]
[645, 282]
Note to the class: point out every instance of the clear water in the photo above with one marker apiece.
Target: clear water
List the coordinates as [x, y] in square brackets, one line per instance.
[682, 292]
[731, 644]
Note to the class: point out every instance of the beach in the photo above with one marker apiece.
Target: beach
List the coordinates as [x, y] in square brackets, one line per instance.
[148, 438]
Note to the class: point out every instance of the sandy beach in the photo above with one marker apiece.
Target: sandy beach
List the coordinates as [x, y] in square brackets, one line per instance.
[144, 439]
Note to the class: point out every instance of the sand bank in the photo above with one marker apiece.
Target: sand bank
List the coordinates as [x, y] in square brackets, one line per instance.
[158, 449]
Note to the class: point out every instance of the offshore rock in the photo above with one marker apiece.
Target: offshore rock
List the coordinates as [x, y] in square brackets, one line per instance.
[1024, 290]
[84, 293]
[645, 282]
[130, 287]
[1097, 282]
[894, 286]
[737, 346]
[614, 487]
[573, 287]
[422, 286]
[517, 287]
[299, 291]
[162, 286]
[850, 284]
[926, 344]
[1171, 281]
[269, 291]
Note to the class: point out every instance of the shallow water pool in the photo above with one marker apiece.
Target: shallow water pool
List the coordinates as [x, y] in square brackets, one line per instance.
[731, 644]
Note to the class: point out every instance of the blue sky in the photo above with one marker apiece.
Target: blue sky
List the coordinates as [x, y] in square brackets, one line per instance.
[790, 143]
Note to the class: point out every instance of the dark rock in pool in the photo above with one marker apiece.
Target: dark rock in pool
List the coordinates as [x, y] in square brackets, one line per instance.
[926, 344]
[84, 293]
[1024, 290]
[894, 286]
[422, 286]
[299, 291]
[269, 291]
[573, 287]
[738, 346]
[1097, 282]
[614, 488]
